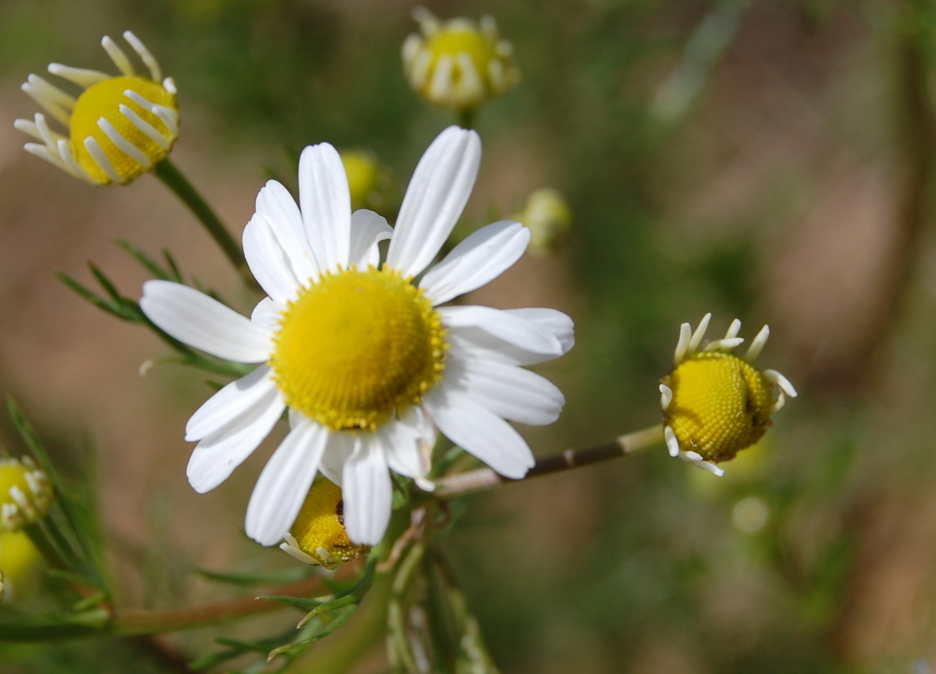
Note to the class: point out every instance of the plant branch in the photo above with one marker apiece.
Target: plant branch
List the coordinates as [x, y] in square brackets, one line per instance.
[485, 478]
[140, 622]
[176, 181]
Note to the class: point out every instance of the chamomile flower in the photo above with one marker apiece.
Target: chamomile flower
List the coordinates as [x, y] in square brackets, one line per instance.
[549, 218]
[458, 63]
[25, 493]
[716, 403]
[118, 127]
[369, 182]
[360, 352]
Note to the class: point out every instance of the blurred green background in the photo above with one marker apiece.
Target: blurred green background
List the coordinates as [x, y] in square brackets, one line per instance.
[766, 160]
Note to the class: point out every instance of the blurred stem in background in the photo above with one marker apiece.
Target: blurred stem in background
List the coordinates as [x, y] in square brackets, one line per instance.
[176, 181]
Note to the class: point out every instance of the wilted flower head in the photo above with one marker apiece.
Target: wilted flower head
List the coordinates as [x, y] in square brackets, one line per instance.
[25, 493]
[716, 403]
[20, 563]
[117, 127]
[318, 535]
[548, 217]
[458, 63]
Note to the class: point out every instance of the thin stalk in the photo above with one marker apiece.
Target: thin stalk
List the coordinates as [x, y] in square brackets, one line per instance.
[141, 622]
[176, 181]
[485, 478]
[466, 117]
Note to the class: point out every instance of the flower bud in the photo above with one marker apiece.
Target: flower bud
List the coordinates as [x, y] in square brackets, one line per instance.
[25, 493]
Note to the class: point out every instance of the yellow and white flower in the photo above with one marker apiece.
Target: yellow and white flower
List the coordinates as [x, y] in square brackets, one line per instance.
[716, 403]
[458, 63]
[360, 352]
[25, 493]
[117, 128]
[318, 535]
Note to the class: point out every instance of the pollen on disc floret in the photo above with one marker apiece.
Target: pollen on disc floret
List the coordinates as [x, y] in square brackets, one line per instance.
[356, 347]
[716, 403]
[118, 126]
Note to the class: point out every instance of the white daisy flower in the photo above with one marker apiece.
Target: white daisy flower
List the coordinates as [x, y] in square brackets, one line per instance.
[360, 353]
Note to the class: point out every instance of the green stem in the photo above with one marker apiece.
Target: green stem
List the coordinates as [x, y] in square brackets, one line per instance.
[176, 181]
[485, 478]
[466, 117]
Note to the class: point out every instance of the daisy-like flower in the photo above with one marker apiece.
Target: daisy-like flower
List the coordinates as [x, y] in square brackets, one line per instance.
[549, 218]
[369, 182]
[360, 352]
[117, 127]
[25, 493]
[458, 63]
[716, 403]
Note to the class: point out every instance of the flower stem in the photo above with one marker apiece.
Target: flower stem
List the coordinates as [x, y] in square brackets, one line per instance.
[485, 478]
[140, 622]
[466, 117]
[176, 181]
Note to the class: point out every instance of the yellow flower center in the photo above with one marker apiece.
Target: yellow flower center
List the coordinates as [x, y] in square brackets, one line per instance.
[356, 347]
[319, 528]
[720, 404]
[103, 100]
[20, 563]
[462, 40]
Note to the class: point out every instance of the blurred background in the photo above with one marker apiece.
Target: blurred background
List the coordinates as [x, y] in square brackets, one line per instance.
[766, 160]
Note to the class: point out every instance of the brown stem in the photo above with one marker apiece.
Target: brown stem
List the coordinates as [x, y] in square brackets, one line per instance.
[485, 478]
[139, 622]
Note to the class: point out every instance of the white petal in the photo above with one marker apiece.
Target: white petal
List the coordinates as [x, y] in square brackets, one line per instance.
[326, 205]
[216, 456]
[367, 230]
[508, 336]
[479, 431]
[479, 259]
[550, 321]
[366, 491]
[340, 447]
[276, 203]
[284, 483]
[266, 315]
[267, 260]
[200, 321]
[229, 403]
[507, 390]
[434, 199]
[404, 441]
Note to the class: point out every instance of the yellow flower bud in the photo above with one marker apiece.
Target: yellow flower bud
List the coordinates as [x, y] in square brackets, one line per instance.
[20, 563]
[117, 127]
[716, 403]
[318, 535]
[458, 63]
[549, 219]
[25, 493]
[368, 181]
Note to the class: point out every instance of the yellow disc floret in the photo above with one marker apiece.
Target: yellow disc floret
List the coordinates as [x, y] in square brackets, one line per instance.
[319, 528]
[356, 347]
[720, 404]
[134, 150]
[25, 493]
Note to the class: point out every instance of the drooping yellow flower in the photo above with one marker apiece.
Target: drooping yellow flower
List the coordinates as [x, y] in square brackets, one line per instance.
[318, 535]
[716, 403]
[20, 563]
[117, 127]
[458, 63]
[25, 493]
